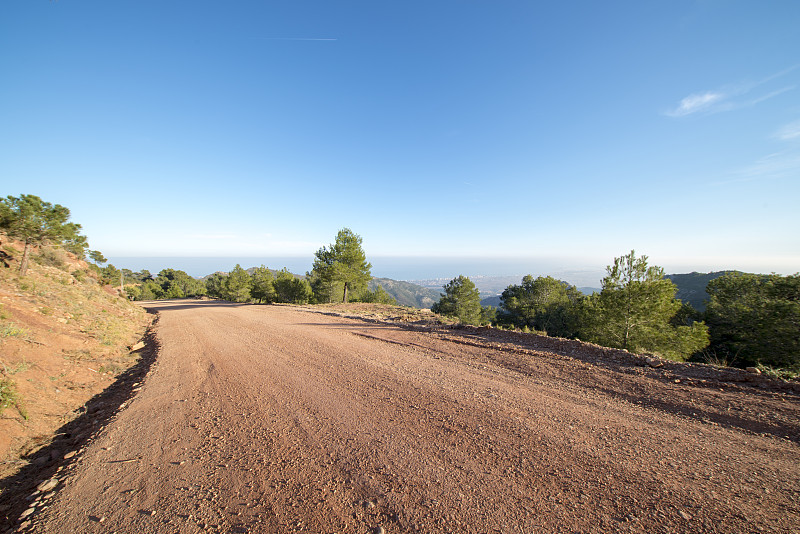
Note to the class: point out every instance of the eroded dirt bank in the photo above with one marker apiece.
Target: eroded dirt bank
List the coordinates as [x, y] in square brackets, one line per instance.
[274, 419]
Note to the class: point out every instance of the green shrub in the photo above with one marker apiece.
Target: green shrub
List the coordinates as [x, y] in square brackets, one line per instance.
[79, 275]
[785, 374]
[9, 397]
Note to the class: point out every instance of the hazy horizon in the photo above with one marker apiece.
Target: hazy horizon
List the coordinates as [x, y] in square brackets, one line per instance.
[414, 268]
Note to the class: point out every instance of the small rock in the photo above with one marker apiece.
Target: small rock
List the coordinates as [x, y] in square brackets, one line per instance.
[27, 512]
[69, 455]
[138, 346]
[753, 370]
[653, 362]
[47, 485]
[152, 512]
[684, 515]
[379, 530]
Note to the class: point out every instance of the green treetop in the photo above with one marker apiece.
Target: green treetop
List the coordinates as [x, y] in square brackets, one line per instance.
[238, 285]
[262, 285]
[544, 303]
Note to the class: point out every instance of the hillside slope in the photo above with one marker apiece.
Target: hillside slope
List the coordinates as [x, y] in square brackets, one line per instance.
[692, 287]
[406, 293]
[63, 339]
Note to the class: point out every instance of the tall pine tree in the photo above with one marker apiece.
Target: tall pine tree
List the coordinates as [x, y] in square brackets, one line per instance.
[342, 267]
[637, 309]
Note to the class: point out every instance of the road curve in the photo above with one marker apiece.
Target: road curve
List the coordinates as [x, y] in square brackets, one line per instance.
[279, 419]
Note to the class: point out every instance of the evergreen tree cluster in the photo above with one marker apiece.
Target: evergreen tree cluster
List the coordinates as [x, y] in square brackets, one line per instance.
[168, 284]
[754, 319]
[749, 319]
[260, 285]
[636, 310]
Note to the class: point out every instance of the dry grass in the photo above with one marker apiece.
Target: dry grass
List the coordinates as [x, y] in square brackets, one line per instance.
[64, 338]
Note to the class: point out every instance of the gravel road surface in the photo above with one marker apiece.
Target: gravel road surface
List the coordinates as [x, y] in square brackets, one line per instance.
[281, 419]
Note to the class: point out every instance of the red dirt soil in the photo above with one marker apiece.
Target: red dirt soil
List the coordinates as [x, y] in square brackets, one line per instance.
[280, 419]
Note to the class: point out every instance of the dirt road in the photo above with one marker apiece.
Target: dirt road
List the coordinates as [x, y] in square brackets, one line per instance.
[274, 419]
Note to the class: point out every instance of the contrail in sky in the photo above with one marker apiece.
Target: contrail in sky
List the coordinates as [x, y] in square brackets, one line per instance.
[299, 39]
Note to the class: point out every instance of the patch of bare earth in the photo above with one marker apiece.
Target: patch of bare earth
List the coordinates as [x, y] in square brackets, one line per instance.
[279, 419]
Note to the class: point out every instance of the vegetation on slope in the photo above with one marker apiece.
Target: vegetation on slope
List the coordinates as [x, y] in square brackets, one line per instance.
[64, 334]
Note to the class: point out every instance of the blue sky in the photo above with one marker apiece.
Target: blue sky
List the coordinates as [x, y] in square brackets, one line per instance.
[570, 132]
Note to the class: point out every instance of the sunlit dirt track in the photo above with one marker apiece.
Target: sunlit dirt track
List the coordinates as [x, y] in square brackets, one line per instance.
[279, 419]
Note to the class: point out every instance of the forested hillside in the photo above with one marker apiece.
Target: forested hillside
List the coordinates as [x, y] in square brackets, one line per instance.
[692, 287]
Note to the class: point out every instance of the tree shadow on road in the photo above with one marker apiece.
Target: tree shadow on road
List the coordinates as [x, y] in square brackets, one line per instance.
[188, 304]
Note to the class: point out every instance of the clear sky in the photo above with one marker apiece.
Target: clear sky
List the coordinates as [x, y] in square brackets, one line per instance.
[571, 130]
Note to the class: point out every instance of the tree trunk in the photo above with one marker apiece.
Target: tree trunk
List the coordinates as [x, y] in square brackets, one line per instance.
[23, 265]
[344, 298]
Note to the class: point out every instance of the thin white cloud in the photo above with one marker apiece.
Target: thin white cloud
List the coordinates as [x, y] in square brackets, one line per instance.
[785, 164]
[782, 164]
[725, 99]
[300, 38]
[770, 95]
[694, 103]
[778, 74]
[789, 131]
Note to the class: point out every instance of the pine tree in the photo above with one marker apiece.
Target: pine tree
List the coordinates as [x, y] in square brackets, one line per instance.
[755, 319]
[343, 267]
[37, 222]
[237, 285]
[290, 289]
[262, 283]
[636, 310]
[462, 300]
